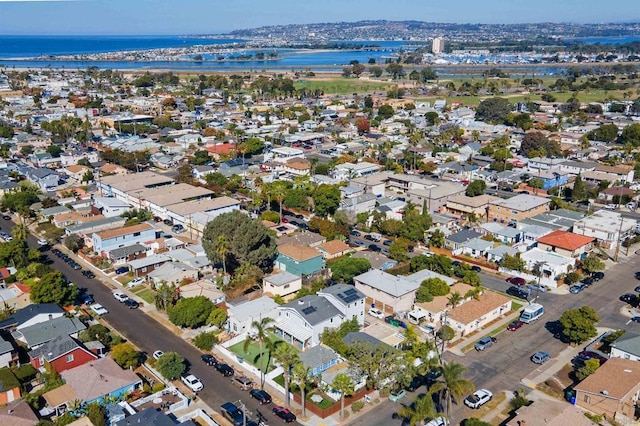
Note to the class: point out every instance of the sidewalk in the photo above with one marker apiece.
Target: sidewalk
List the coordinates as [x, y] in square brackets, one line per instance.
[549, 369]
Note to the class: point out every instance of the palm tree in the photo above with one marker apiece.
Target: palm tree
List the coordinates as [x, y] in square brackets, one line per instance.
[452, 385]
[222, 248]
[454, 299]
[263, 329]
[301, 376]
[20, 231]
[287, 357]
[278, 192]
[475, 293]
[343, 384]
[423, 408]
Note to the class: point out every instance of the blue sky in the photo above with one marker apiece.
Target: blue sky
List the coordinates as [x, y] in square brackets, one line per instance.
[216, 16]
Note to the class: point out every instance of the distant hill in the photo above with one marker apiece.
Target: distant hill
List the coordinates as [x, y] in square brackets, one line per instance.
[419, 30]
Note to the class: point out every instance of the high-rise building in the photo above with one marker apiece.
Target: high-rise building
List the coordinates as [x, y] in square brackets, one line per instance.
[438, 45]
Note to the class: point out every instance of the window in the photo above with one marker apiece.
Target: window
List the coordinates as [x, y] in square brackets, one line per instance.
[41, 361]
[136, 234]
[69, 358]
[587, 399]
[286, 286]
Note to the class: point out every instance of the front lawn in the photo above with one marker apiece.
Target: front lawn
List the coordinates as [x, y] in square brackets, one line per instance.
[147, 295]
[252, 354]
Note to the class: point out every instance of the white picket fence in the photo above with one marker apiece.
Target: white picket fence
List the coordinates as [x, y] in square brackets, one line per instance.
[200, 414]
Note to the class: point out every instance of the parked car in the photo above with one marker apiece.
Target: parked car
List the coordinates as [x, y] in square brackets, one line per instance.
[122, 270]
[134, 282]
[354, 233]
[635, 319]
[515, 325]
[233, 413]
[374, 312]
[629, 297]
[397, 394]
[540, 357]
[86, 298]
[88, 274]
[262, 396]
[131, 304]
[192, 382]
[538, 287]
[120, 296]
[577, 288]
[168, 222]
[591, 354]
[42, 242]
[99, 309]
[387, 242]
[478, 398]
[438, 421]
[588, 281]
[485, 343]
[209, 359]
[598, 276]
[415, 384]
[516, 281]
[157, 354]
[476, 268]
[374, 248]
[522, 293]
[243, 382]
[6, 217]
[284, 414]
[177, 228]
[224, 369]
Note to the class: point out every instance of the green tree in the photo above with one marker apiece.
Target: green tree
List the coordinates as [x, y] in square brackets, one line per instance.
[191, 312]
[343, 270]
[452, 385]
[579, 191]
[166, 296]
[591, 263]
[343, 384]
[171, 365]
[475, 188]
[205, 340]
[53, 288]
[301, 376]
[263, 331]
[590, 366]
[200, 157]
[436, 286]
[471, 277]
[437, 239]
[513, 263]
[249, 241]
[493, 110]
[631, 135]
[386, 111]
[326, 199]
[74, 242]
[126, 355]
[217, 317]
[579, 325]
[97, 414]
[536, 144]
[604, 133]
[378, 364]
[54, 150]
[422, 409]
[399, 249]
[287, 356]
[222, 249]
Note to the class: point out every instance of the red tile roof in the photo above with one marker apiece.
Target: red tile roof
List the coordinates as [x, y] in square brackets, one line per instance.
[565, 240]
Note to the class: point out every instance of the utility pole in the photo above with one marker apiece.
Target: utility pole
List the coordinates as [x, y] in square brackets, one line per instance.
[244, 412]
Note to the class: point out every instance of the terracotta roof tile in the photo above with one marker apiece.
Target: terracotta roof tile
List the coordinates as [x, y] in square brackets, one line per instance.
[565, 240]
[334, 246]
[111, 233]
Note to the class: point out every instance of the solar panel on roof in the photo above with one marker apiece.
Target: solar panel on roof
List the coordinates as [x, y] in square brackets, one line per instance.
[350, 291]
[309, 310]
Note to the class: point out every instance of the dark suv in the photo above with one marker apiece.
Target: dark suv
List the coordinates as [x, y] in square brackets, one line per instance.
[522, 293]
[224, 369]
[232, 413]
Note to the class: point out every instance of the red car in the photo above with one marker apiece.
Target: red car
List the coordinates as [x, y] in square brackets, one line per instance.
[517, 281]
[284, 414]
[515, 325]
[284, 220]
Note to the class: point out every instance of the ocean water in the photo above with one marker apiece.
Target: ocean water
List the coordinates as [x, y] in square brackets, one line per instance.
[605, 40]
[30, 46]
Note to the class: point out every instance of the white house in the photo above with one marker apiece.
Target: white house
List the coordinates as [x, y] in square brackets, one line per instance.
[282, 284]
[347, 299]
[605, 226]
[241, 316]
[626, 346]
[110, 206]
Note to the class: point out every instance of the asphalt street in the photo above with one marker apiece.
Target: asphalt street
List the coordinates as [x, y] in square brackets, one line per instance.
[507, 362]
[150, 336]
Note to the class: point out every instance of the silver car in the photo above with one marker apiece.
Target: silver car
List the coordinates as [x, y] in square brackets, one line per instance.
[540, 357]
